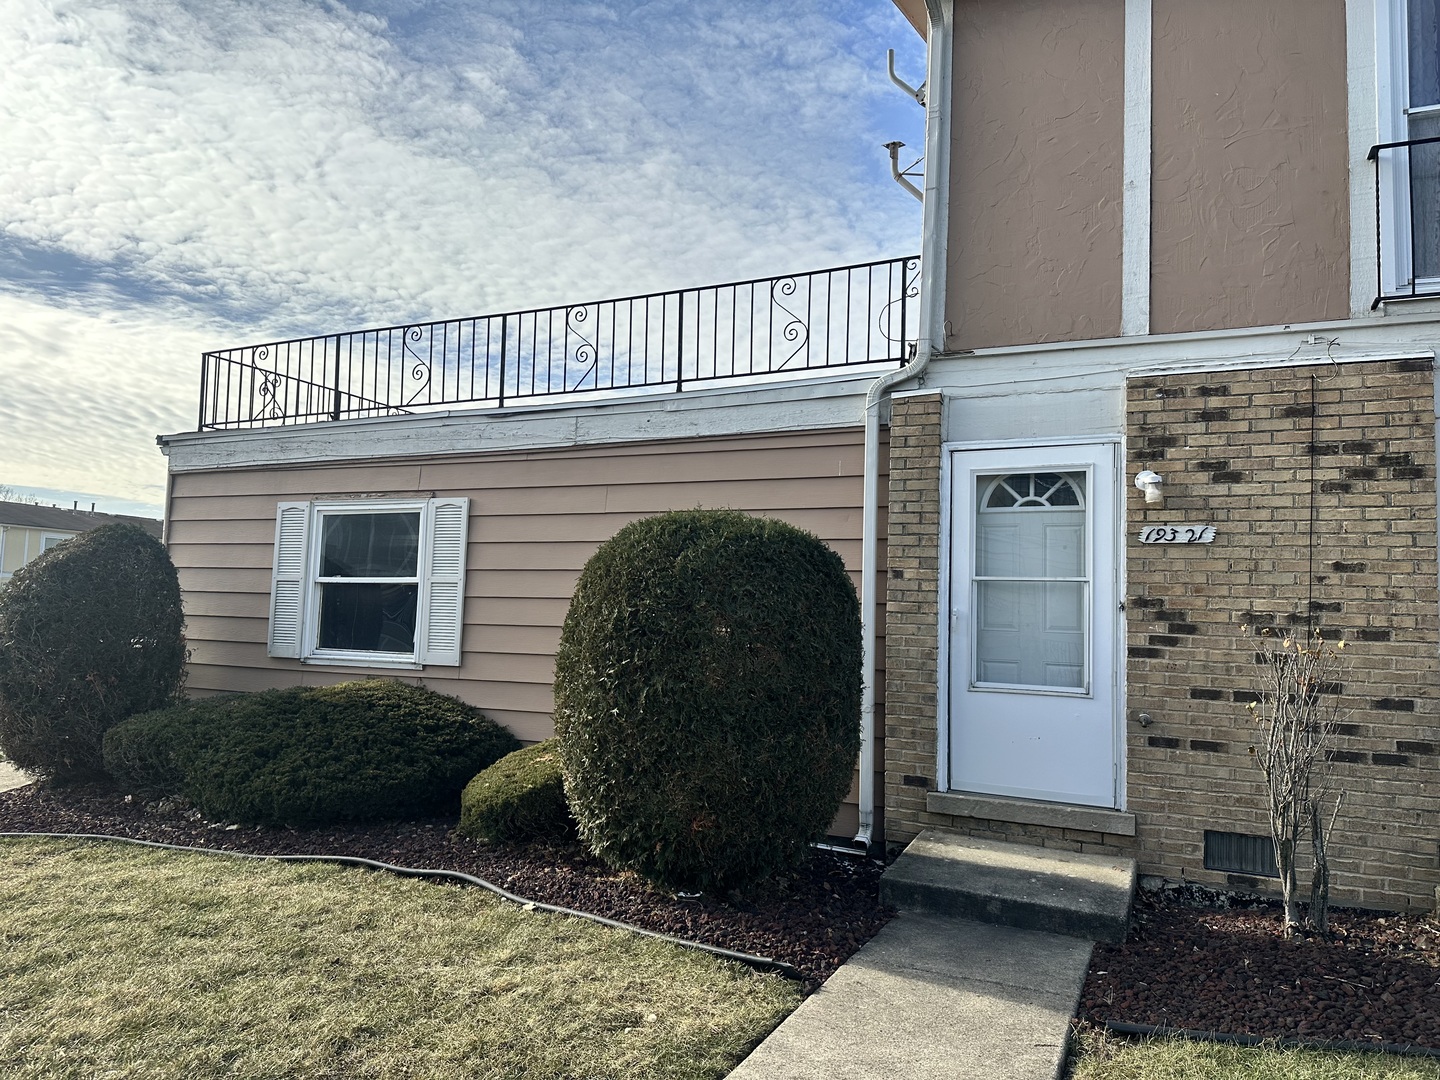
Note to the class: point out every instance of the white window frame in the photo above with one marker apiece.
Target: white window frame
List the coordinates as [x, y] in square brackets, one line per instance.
[1392, 79]
[296, 582]
[46, 538]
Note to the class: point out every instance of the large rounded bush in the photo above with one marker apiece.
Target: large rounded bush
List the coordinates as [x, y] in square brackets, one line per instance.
[310, 755]
[707, 693]
[90, 632]
[521, 797]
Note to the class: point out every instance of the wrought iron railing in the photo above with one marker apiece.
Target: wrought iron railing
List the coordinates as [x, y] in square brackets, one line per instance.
[737, 332]
[1407, 219]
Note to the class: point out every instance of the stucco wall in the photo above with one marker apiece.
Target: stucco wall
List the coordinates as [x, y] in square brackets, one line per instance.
[1250, 197]
[1036, 172]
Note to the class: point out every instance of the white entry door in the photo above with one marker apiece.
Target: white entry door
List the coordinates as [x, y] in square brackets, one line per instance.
[1033, 620]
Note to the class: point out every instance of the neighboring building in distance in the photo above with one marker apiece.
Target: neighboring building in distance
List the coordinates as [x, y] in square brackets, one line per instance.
[26, 530]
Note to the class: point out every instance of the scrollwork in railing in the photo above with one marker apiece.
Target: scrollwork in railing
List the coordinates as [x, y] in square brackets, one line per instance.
[586, 352]
[419, 367]
[267, 385]
[795, 329]
[909, 290]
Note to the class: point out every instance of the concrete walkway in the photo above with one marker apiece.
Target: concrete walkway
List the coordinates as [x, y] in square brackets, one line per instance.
[11, 777]
[934, 997]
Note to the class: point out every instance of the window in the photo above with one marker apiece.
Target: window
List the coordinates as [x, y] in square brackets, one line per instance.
[374, 582]
[49, 540]
[1409, 173]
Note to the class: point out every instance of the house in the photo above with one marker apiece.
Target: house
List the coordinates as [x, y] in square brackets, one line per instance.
[27, 529]
[1197, 241]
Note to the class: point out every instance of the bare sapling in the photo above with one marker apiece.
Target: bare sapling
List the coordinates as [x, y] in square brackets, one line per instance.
[1298, 713]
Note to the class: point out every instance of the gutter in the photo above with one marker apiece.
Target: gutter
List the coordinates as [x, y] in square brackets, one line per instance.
[940, 45]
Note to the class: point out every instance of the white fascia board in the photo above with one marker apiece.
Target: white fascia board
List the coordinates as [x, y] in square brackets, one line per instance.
[801, 405]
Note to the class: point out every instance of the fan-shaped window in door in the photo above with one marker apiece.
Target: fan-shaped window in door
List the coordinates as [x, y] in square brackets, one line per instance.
[1032, 582]
[1033, 489]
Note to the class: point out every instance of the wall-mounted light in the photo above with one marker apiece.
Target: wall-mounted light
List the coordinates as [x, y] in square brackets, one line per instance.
[1150, 483]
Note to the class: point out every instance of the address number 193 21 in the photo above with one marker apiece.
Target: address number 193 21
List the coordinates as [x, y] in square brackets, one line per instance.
[1177, 534]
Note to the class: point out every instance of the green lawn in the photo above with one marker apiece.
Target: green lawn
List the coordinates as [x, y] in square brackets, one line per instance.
[1105, 1057]
[120, 962]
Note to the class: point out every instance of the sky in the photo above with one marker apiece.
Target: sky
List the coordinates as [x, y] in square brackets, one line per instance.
[181, 176]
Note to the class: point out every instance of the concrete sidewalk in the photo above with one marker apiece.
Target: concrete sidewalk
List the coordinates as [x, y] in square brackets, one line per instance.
[934, 997]
[11, 777]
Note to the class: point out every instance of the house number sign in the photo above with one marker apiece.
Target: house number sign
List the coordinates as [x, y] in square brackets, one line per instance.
[1177, 534]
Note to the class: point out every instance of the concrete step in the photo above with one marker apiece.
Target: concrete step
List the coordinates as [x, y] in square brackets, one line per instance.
[1059, 892]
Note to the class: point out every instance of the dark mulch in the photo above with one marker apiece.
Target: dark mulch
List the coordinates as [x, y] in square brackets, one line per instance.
[814, 918]
[1209, 962]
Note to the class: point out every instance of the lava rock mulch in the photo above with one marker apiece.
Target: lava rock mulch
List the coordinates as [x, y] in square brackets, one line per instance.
[1214, 963]
[813, 919]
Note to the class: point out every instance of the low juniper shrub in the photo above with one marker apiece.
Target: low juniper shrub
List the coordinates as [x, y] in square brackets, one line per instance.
[356, 751]
[518, 799]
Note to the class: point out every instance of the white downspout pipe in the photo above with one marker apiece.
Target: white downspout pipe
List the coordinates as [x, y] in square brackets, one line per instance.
[931, 339]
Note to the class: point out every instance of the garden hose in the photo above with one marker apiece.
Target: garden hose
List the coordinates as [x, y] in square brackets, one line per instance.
[760, 963]
[1406, 1049]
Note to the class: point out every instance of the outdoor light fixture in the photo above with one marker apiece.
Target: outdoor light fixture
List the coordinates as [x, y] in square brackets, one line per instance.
[1149, 482]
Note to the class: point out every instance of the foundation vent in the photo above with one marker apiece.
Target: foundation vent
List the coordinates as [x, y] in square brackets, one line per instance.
[1238, 853]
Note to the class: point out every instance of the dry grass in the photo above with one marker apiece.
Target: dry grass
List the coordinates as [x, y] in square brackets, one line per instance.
[125, 963]
[1105, 1057]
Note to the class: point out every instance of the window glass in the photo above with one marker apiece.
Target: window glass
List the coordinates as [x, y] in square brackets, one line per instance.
[370, 545]
[368, 617]
[1424, 47]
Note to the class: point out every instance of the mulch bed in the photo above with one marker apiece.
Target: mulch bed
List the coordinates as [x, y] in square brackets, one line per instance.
[814, 918]
[1209, 962]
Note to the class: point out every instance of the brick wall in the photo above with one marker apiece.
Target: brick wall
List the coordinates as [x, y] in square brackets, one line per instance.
[912, 600]
[1320, 482]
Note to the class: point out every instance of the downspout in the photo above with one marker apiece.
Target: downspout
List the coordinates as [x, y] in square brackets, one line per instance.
[931, 339]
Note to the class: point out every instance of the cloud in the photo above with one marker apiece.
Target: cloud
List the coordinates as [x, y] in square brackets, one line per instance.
[256, 169]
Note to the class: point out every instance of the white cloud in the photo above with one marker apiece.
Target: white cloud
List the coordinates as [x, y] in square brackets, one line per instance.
[252, 169]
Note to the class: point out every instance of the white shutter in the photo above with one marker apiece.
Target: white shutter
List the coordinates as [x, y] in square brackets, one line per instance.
[444, 582]
[287, 585]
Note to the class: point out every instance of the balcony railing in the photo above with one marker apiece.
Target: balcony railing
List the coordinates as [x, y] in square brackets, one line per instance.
[738, 332]
[1407, 219]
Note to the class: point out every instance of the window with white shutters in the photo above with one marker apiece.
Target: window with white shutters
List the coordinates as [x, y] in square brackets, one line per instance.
[370, 582]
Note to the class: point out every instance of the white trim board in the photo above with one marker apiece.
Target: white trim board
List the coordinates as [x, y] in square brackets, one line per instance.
[1362, 63]
[1136, 187]
[811, 405]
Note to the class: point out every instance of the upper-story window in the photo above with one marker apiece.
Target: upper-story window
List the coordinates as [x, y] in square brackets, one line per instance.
[1409, 174]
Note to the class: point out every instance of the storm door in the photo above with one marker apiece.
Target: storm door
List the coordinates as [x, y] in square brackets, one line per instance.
[1033, 623]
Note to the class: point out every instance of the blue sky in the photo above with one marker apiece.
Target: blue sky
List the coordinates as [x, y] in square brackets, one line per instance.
[180, 176]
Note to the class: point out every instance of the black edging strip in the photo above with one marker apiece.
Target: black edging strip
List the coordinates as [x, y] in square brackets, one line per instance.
[762, 963]
[1406, 1049]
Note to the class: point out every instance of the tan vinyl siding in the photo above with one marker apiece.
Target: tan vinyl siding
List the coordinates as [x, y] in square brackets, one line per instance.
[535, 518]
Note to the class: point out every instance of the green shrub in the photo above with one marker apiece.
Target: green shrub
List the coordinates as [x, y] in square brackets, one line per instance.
[90, 632]
[707, 691]
[521, 797]
[369, 750]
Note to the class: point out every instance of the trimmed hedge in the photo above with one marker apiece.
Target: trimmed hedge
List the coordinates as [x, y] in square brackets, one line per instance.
[310, 755]
[519, 798]
[707, 691]
[90, 632]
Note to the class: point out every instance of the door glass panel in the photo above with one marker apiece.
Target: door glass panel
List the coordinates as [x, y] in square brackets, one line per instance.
[1031, 585]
